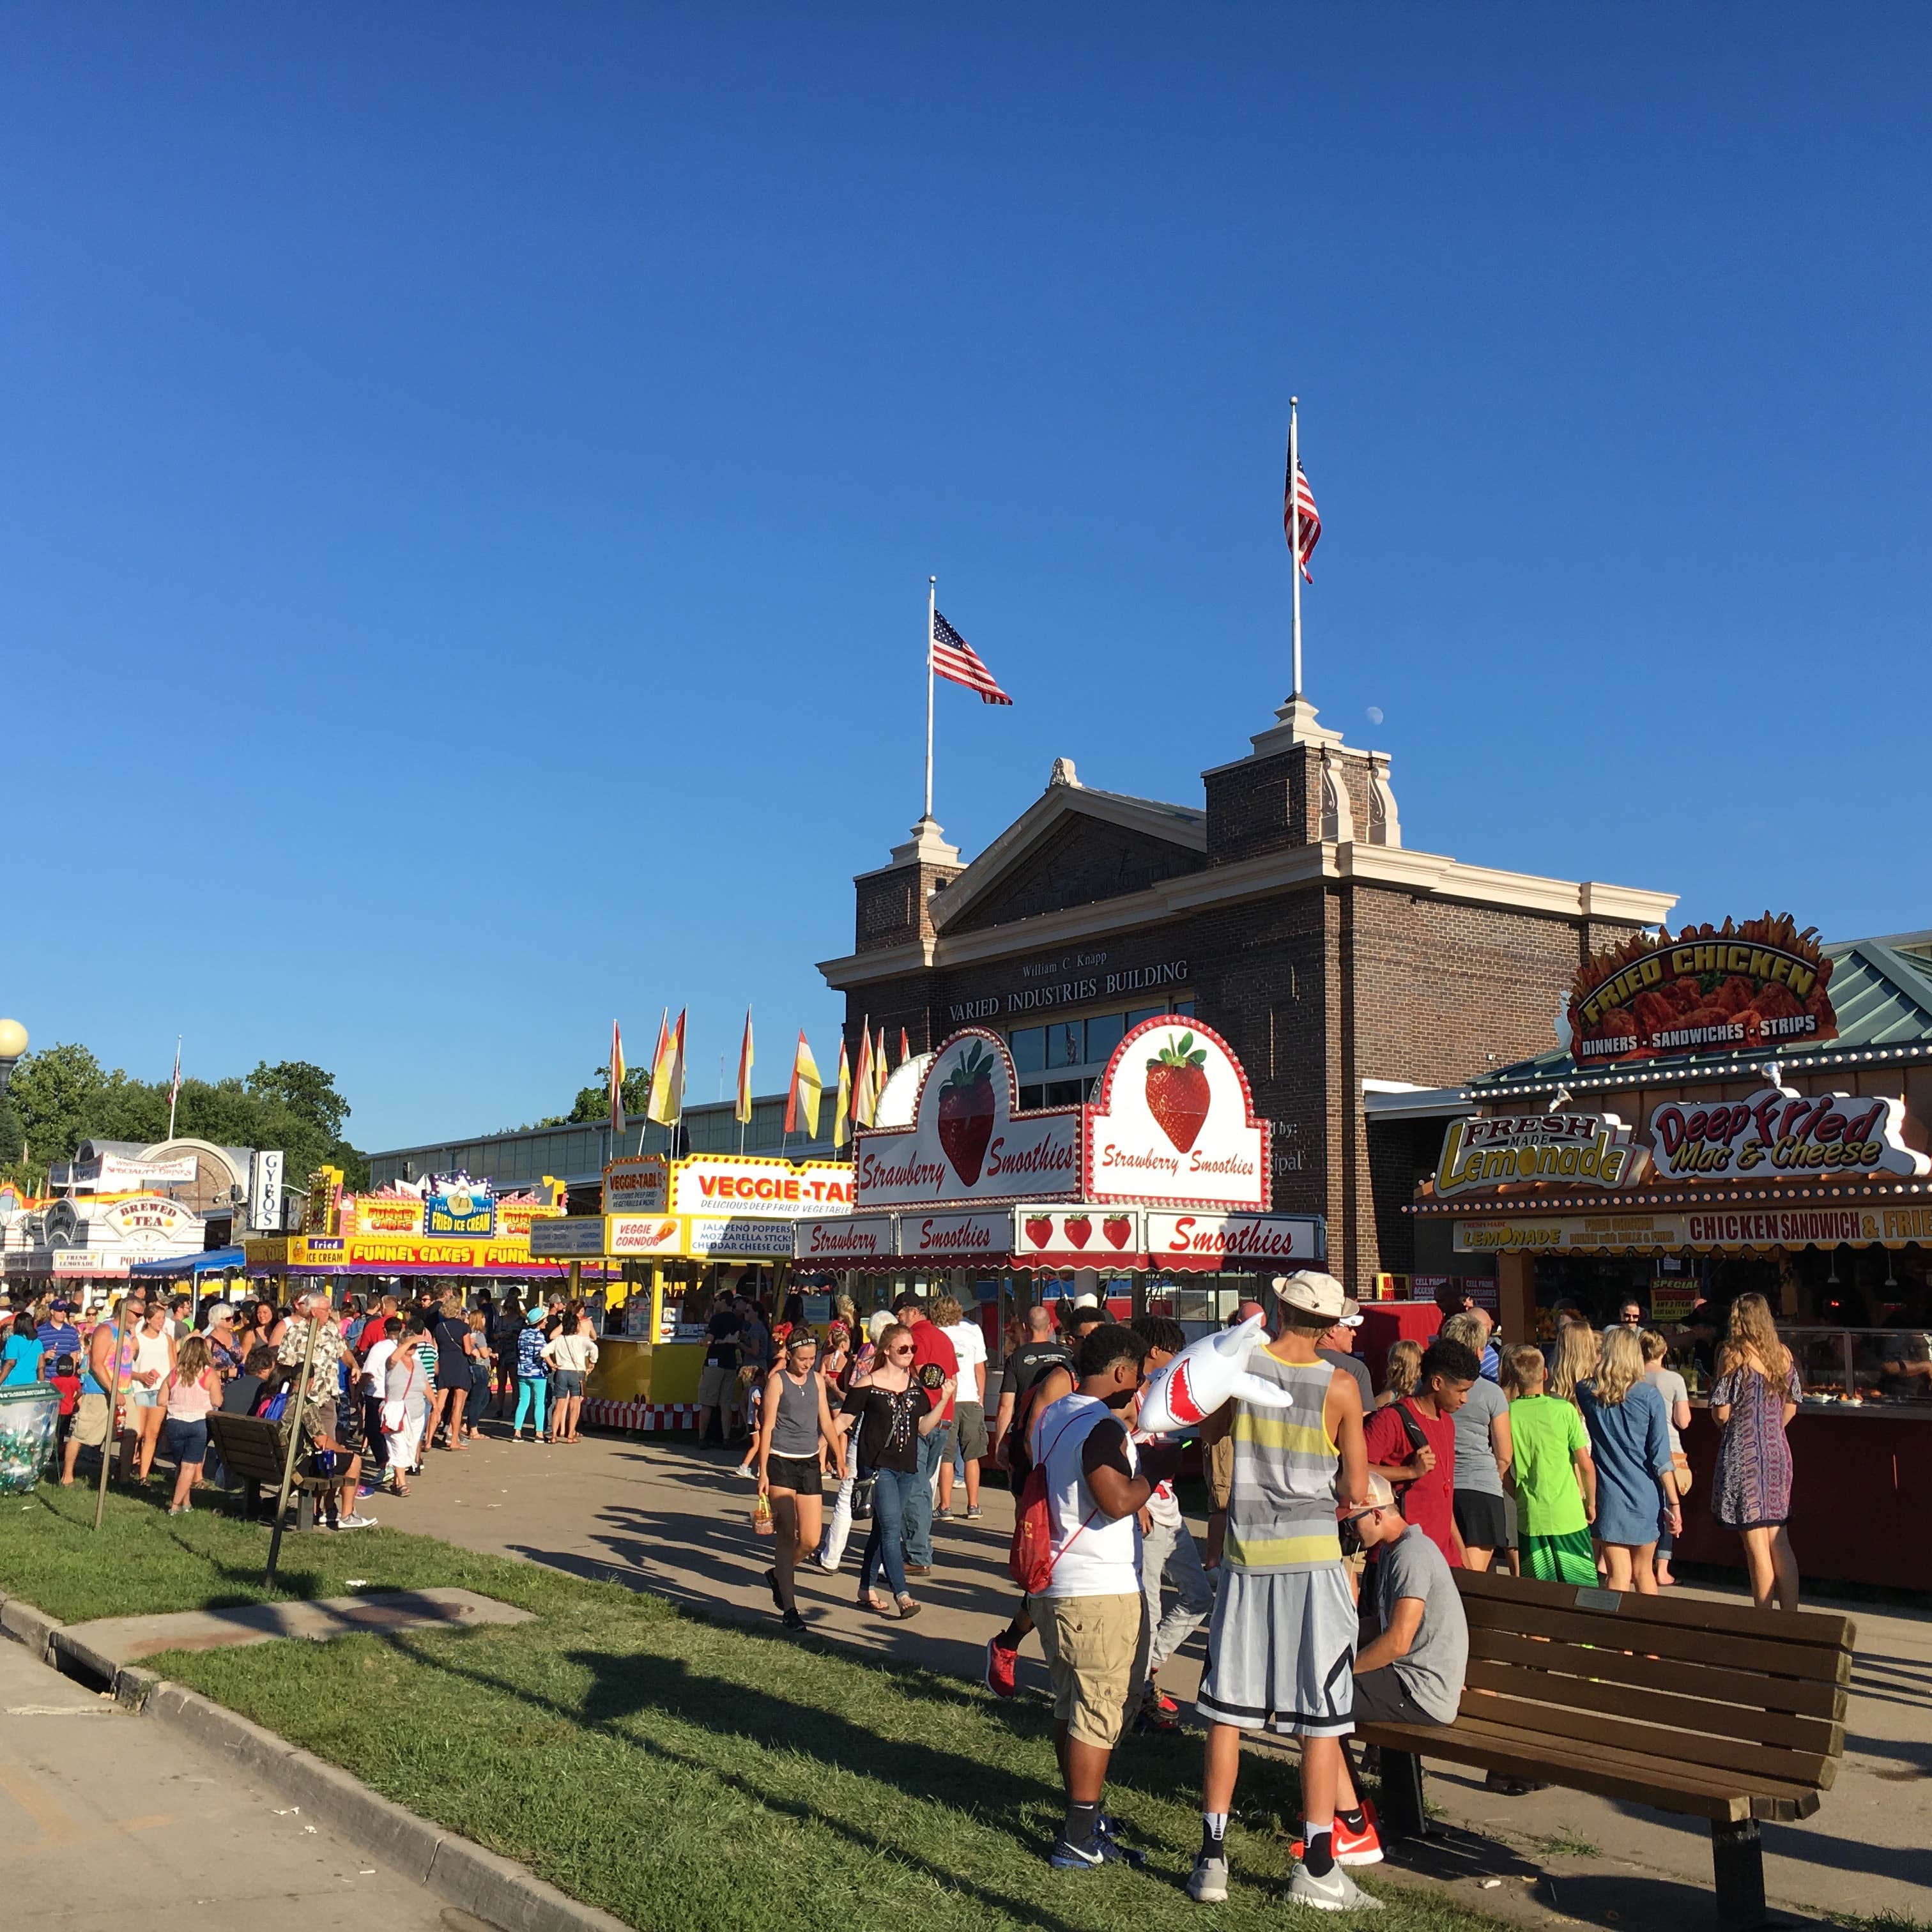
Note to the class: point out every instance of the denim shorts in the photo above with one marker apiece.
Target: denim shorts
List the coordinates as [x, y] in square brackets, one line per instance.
[185, 1441]
[568, 1382]
[135, 1396]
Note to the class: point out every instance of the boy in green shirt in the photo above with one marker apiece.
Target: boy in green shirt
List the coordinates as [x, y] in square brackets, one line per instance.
[1555, 1480]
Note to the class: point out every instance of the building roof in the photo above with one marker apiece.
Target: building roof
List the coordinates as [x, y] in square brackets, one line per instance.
[1882, 998]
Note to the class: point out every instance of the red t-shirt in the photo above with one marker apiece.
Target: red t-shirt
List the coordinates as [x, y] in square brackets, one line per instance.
[1430, 1504]
[932, 1351]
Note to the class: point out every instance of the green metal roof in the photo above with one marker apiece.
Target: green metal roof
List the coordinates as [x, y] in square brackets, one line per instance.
[1882, 998]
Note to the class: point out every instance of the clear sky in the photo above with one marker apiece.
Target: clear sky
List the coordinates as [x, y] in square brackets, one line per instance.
[468, 475]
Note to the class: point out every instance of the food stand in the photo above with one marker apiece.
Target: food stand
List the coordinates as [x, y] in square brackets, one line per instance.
[1156, 1194]
[87, 1246]
[676, 1232]
[448, 1230]
[1741, 1110]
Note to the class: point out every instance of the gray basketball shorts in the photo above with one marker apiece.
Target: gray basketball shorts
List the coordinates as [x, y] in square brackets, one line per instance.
[1281, 1652]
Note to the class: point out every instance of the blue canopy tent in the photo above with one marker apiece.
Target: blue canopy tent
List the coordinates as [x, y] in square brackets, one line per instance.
[192, 1269]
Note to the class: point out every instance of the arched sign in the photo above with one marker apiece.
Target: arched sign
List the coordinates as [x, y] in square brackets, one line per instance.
[968, 1141]
[1175, 1122]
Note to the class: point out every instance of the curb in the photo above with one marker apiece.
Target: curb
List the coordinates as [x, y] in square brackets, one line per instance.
[494, 1889]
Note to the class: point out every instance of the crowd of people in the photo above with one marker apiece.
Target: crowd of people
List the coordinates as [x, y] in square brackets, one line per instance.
[1325, 1578]
[386, 1380]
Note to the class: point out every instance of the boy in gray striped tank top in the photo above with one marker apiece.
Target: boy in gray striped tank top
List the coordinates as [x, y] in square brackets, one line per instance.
[1281, 1650]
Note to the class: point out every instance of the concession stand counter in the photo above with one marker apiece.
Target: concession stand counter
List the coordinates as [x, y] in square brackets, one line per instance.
[1741, 1110]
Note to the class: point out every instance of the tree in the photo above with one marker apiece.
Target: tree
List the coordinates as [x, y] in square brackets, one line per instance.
[63, 1096]
[593, 1103]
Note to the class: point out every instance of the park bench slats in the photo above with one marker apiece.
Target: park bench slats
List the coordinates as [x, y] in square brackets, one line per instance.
[1765, 1655]
[1800, 1697]
[252, 1447]
[1715, 1711]
[1677, 1715]
[1685, 1752]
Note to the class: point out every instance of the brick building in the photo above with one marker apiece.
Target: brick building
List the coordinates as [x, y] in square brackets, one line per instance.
[1285, 911]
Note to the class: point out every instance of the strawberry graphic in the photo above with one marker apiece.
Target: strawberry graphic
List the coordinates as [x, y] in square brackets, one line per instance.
[1039, 1230]
[966, 1113]
[1177, 1091]
[1118, 1229]
[1078, 1229]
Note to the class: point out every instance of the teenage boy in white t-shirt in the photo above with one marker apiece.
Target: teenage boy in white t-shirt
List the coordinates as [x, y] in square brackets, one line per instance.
[969, 1405]
[1090, 1613]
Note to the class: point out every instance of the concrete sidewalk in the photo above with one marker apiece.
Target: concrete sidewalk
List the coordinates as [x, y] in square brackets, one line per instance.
[659, 1515]
[107, 1821]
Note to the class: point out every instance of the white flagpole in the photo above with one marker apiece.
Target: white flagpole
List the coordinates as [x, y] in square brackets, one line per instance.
[174, 1089]
[931, 606]
[1294, 534]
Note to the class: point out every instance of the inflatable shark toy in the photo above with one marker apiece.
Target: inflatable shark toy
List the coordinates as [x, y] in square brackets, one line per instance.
[1204, 1375]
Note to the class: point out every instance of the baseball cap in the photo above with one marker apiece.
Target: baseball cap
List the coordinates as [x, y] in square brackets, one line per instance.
[1381, 1495]
[1314, 1293]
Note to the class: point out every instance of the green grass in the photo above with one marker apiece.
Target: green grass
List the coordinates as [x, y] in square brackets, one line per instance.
[681, 1773]
[1566, 1843]
[144, 1561]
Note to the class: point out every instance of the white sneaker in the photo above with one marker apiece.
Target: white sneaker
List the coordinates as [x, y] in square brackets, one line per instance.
[1208, 1883]
[353, 1522]
[1337, 1892]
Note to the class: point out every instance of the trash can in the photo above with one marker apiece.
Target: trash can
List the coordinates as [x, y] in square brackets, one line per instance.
[29, 1416]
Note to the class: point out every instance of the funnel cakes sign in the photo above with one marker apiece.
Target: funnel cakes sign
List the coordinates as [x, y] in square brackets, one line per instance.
[1709, 989]
[968, 1141]
[1175, 1122]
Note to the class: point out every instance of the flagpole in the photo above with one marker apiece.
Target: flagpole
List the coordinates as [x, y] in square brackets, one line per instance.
[174, 1091]
[1294, 534]
[931, 607]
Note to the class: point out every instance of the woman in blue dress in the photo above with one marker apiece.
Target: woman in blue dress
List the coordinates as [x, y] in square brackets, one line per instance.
[1630, 1442]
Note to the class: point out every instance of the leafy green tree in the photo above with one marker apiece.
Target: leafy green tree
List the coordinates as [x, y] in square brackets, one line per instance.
[593, 1103]
[12, 1136]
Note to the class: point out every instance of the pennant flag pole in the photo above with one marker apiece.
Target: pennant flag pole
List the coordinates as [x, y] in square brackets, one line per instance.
[948, 656]
[616, 1086]
[174, 1088]
[666, 1104]
[742, 1112]
[842, 1115]
[803, 1094]
[862, 1079]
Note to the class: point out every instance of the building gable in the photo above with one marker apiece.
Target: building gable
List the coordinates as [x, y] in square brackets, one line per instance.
[1075, 859]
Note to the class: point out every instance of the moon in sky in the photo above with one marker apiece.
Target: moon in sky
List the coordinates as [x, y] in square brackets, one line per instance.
[1375, 714]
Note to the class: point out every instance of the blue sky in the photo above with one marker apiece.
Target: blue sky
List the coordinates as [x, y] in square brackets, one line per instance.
[470, 475]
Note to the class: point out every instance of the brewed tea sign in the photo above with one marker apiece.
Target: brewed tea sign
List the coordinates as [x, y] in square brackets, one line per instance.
[1175, 1122]
[968, 1141]
[1709, 990]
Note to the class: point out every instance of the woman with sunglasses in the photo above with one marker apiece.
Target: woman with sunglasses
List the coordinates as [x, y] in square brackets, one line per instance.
[795, 1428]
[891, 1413]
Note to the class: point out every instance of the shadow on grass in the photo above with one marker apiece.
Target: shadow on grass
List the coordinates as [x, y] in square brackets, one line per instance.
[636, 1686]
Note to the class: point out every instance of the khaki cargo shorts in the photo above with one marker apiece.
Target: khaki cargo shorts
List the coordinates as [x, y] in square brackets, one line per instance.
[90, 1421]
[1091, 1644]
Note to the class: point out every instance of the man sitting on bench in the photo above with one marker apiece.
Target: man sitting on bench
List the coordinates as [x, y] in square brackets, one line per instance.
[1411, 1672]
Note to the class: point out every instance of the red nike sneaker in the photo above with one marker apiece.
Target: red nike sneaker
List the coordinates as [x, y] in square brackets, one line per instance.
[1352, 1848]
[1001, 1662]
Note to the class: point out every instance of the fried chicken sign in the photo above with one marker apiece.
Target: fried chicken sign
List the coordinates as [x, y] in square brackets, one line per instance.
[1708, 989]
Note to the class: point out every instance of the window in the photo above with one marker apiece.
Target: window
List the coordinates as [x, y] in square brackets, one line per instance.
[1066, 1093]
[1032, 1098]
[1141, 1013]
[1066, 1045]
[1103, 1036]
[1029, 1049]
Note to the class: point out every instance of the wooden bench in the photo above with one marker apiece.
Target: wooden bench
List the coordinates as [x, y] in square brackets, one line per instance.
[1713, 1711]
[254, 1449]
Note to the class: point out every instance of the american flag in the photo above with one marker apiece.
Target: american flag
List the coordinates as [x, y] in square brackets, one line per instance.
[1302, 501]
[954, 658]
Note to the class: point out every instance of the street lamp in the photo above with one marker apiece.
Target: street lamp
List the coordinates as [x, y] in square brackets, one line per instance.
[13, 1045]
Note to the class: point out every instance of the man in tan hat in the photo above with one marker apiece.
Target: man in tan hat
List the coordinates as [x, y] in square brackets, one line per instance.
[1281, 1649]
